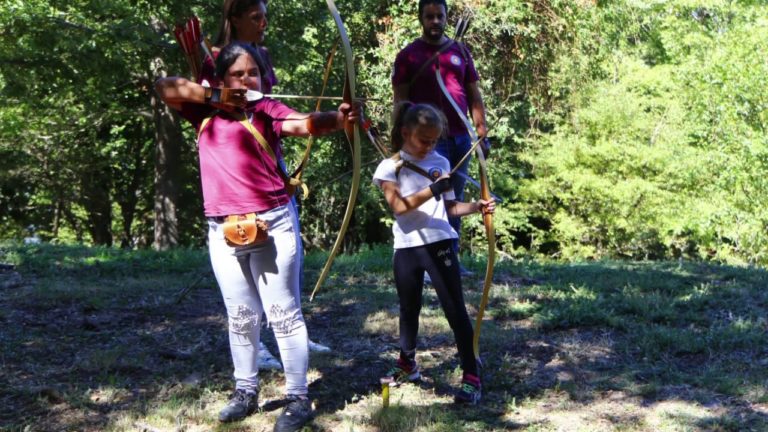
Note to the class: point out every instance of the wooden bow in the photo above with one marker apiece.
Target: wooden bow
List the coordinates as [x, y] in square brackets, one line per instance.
[353, 136]
[485, 194]
[299, 171]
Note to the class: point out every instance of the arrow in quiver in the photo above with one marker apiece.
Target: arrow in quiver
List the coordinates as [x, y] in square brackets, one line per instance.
[194, 46]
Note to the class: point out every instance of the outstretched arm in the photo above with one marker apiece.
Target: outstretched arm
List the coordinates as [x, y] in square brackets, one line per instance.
[321, 123]
[176, 90]
[459, 209]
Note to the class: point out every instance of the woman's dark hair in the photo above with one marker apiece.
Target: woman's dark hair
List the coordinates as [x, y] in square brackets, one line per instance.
[230, 53]
[423, 3]
[232, 8]
[409, 115]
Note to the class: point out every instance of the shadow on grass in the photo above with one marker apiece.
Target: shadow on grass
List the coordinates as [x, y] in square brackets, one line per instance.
[691, 332]
[96, 334]
[440, 416]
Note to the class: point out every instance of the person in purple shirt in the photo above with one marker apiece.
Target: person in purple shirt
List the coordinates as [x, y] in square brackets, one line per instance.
[413, 79]
[238, 146]
[246, 21]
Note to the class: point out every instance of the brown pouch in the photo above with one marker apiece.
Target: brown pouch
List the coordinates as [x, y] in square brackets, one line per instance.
[244, 230]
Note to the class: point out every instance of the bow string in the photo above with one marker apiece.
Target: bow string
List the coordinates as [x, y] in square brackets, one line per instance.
[485, 194]
[352, 132]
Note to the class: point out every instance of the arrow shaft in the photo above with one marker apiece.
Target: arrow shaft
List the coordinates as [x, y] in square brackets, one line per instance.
[477, 185]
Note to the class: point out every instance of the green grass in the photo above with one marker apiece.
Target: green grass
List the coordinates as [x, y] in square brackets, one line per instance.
[101, 339]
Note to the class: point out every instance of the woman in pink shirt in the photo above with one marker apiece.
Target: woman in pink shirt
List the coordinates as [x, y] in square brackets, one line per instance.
[246, 21]
[239, 146]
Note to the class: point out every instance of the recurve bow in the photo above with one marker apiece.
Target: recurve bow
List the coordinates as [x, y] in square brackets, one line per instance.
[485, 194]
[352, 132]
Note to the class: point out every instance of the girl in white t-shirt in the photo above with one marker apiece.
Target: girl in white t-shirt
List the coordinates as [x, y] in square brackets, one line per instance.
[417, 188]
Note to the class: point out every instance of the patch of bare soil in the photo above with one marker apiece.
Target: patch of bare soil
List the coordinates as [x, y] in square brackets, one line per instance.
[73, 364]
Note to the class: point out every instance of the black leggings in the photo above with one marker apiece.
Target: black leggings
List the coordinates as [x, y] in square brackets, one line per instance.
[439, 260]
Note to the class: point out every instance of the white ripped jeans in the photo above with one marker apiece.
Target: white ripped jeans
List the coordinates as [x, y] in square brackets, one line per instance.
[257, 280]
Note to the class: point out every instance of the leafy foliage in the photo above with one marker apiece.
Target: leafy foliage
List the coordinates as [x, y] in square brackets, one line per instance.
[621, 129]
[660, 155]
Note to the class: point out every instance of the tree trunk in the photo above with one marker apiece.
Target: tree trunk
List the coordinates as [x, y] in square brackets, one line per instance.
[57, 217]
[168, 144]
[98, 203]
[127, 196]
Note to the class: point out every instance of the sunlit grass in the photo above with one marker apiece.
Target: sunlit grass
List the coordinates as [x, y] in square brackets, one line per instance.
[381, 322]
[140, 343]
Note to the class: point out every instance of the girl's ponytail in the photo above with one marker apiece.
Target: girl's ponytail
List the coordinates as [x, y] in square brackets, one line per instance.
[398, 114]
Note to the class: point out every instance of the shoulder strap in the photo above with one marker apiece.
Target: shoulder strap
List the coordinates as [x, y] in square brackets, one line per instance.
[398, 166]
[291, 183]
[464, 51]
[434, 57]
[418, 170]
[411, 166]
[259, 137]
[204, 123]
[246, 124]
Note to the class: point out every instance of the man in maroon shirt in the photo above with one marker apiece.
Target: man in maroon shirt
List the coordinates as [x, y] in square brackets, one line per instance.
[413, 79]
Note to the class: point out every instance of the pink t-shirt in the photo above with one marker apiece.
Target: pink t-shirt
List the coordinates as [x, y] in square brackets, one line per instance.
[237, 173]
[456, 68]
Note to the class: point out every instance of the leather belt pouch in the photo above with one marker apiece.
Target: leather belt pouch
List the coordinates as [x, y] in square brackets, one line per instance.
[244, 230]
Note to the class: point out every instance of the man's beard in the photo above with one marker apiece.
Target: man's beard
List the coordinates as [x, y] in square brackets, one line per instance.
[434, 34]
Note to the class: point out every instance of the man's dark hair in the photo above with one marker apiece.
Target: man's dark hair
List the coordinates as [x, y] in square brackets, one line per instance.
[423, 3]
[230, 53]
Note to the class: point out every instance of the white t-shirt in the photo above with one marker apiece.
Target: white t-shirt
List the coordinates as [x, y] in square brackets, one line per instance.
[429, 222]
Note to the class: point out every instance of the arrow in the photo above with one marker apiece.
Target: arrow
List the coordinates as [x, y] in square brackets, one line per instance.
[253, 95]
[477, 185]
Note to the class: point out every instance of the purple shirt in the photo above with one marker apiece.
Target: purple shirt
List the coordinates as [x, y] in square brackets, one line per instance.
[269, 79]
[456, 68]
[238, 175]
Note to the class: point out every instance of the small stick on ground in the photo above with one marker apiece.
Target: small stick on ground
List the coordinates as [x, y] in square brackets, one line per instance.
[187, 289]
[385, 384]
[143, 427]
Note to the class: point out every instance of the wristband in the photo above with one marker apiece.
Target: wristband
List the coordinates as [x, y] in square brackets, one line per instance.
[321, 123]
[207, 95]
[440, 186]
[209, 92]
[212, 95]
